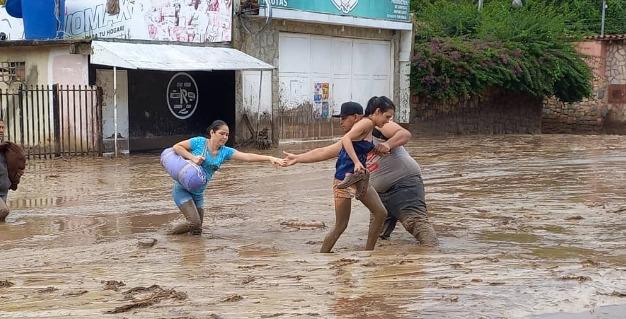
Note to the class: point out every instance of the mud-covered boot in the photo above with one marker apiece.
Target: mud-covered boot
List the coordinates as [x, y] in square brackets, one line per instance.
[198, 231]
[182, 227]
[420, 227]
[352, 179]
[190, 212]
[388, 227]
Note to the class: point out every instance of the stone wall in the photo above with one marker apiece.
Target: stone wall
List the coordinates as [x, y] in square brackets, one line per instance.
[584, 117]
[599, 113]
[496, 112]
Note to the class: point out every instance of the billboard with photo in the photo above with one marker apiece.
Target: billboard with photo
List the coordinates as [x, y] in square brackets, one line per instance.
[160, 20]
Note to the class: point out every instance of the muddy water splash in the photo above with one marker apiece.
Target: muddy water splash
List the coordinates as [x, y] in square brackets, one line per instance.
[530, 227]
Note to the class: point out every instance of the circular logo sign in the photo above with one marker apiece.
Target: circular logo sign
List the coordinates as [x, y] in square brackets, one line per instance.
[182, 95]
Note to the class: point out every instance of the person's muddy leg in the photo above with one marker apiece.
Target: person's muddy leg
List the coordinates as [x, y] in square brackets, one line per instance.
[192, 219]
[388, 226]
[362, 185]
[413, 213]
[342, 217]
[4, 210]
[391, 220]
[417, 224]
[377, 216]
[192, 215]
[198, 231]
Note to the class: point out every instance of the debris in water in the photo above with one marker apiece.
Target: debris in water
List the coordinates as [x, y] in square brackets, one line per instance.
[491, 259]
[153, 294]
[47, 290]
[344, 262]
[577, 217]
[274, 315]
[75, 293]
[620, 210]
[147, 242]
[233, 298]
[574, 277]
[248, 280]
[496, 283]
[296, 277]
[589, 263]
[112, 284]
[252, 266]
[450, 298]
[303, 225]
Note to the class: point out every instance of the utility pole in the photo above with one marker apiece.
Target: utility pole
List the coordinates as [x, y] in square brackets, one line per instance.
[480, 4]
[603, 16]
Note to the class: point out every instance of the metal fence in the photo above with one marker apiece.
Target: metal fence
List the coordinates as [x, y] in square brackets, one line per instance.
[52, 121]
[303, 123]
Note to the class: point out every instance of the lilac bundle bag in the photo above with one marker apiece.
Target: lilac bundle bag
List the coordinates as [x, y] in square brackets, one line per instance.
[188, 174]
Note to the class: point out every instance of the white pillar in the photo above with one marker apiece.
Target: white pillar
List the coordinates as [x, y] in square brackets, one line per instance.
[403, 111]
[115, 108]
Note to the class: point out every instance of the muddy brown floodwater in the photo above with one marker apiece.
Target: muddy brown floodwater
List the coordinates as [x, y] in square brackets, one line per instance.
[530, 227]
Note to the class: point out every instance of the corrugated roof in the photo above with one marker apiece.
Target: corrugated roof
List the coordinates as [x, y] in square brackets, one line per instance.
[607, 37]
[172, 57]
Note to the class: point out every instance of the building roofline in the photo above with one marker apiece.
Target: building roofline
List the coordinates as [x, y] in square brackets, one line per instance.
[54, 42]
[57, 42]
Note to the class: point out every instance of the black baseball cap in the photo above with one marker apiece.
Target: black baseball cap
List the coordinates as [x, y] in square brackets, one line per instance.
[350, 108]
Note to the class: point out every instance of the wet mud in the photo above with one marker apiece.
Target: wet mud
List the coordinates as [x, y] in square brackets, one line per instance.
[529, 226]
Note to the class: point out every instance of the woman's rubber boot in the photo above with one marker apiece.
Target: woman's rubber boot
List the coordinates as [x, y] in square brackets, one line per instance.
[198, 231]
[192, 217]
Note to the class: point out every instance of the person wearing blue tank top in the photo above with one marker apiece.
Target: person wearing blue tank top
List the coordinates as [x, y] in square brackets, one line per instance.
[209, 154]
[345, 169]
[351, 152]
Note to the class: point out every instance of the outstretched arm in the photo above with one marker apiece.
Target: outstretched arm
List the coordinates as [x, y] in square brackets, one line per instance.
[251, 157]
[315, 155]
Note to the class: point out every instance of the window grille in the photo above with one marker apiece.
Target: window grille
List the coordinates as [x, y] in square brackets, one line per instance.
[12, 72]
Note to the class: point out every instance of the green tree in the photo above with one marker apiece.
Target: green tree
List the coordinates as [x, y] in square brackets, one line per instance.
[460, 52]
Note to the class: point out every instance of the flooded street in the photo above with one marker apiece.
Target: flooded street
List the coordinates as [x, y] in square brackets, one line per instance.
[530, 226]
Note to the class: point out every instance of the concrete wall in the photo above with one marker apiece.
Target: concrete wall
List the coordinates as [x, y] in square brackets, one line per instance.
[47, 65]
[37, 62]
[265, 46]
[496, 112]
[600, 112]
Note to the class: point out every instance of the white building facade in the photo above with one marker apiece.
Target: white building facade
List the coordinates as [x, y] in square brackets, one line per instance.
[326, 52]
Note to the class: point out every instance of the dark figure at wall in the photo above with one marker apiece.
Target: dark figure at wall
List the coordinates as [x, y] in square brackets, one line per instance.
[12, 165]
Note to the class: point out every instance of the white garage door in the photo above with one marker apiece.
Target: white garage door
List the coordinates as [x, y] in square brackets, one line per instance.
[351, 69]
